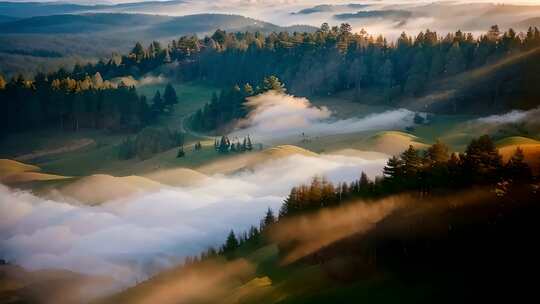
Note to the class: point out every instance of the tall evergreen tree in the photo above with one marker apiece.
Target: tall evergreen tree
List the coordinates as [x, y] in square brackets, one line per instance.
[273, 83]
[516, 167]
[411, 161]
[393, 169]
[157, 103]
[438, 153]
[169, 97]
[268, 220]
[231, 243]
[138, 51]
[482, 161]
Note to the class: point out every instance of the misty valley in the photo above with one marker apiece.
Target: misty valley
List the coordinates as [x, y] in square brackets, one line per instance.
[184, 151]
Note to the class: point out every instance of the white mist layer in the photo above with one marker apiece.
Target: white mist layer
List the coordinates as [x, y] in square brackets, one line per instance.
[513, 116]
[277, 116]
[133, 238]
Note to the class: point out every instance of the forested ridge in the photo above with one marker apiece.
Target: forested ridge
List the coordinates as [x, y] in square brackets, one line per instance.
[325, 62]
[59, 101]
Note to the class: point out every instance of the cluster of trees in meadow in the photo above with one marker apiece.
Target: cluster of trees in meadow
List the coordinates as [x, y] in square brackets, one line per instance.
[225, 145]
[60, 101]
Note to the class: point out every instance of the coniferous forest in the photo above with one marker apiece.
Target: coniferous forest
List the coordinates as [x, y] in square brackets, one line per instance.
[326, 62]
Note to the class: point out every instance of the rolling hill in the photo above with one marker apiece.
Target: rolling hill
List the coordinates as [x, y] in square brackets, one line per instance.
[85, 23]
[14, 172]
[140, 25]
[32, 9]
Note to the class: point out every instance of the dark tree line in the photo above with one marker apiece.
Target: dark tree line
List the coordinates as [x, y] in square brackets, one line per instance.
[334, 59]
[70, 104]
[433, 170]
[329, 60]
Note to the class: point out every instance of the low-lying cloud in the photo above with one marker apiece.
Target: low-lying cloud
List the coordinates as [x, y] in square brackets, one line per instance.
[143, 81]
[276, 116]
[312, 232]
[134, 237]
[513, 116]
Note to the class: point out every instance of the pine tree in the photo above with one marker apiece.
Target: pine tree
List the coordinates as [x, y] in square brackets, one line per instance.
[411, 161]
[268, 220]
[248, 89]
[157, 103]
[364, 183]
[138, 51]
[224, 145]
[249, 145]
[181, 152]
[253, 234]
[231, 243]
[438, 153]
[393, 169]
[290, 205]
[273, 83]
[516, 167]
[169, 97]
[482, 161]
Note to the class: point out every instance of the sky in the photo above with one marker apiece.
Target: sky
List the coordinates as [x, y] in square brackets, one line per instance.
[309, 2]
[285, 2]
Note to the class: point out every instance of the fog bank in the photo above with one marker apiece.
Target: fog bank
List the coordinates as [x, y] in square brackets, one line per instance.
[129, 239]
[275, 116]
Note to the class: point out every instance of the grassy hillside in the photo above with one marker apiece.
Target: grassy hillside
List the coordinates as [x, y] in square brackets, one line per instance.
[14, 172]
[516, 141]
[401, 249]
[93, 151]
[141, 25]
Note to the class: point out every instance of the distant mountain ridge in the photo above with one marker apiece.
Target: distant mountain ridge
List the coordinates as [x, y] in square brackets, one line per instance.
[140, 25]
[33, 9]
[61, 40]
